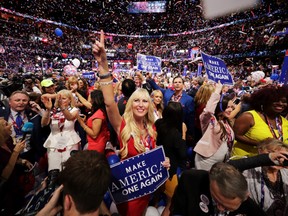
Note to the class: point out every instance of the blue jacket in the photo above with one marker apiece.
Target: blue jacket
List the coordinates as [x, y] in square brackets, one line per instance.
[186, 101]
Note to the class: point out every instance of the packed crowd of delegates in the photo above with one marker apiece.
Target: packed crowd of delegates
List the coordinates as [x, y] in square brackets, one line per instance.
[199, 124]
[252, 34]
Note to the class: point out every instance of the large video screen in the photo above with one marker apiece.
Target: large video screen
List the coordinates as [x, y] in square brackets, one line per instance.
[147, 7]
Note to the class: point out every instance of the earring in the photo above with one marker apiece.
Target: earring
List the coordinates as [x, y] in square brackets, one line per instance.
[262, 108]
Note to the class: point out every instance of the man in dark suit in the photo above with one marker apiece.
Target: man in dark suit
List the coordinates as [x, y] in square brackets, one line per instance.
[222, 191]
[19, 111]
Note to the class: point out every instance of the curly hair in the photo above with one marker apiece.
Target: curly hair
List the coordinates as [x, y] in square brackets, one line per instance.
[131, 128]
[264, 97]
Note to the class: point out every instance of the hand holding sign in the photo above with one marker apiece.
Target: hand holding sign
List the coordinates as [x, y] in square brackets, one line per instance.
[166, 163]
[218, 87]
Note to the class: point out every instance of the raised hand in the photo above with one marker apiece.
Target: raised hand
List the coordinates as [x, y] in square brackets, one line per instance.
[218, 87]
[47, 101]
[19, 147]
[98, 50]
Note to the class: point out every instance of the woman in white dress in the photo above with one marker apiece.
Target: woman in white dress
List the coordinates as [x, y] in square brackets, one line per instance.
[63, 137]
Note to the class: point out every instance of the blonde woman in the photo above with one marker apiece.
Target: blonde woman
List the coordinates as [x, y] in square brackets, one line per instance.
[63, 138]
[201, 98]
[136, 130]
[157, 98]
[12, 168]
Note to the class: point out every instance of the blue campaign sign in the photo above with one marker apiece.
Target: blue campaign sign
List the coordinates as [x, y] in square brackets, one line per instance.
[216, 69]
[150, 64]
[138, 176]
[284, 72]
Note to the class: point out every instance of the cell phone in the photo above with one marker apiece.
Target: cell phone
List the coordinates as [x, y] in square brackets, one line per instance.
[237, 101]
[285, 163]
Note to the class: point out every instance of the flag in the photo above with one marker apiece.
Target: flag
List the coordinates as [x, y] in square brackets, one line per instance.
[199, 70]
[284, 74]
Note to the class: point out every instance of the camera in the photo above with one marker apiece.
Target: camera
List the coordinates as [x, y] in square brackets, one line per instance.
[237, 101]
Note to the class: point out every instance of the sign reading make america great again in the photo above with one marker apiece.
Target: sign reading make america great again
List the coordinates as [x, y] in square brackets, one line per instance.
[150, 64]
[138, 176]
[216, 69]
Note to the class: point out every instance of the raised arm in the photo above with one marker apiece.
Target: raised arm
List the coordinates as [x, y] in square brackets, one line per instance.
[86, 103]
[8, 169]
[209, 110]
[106, 81]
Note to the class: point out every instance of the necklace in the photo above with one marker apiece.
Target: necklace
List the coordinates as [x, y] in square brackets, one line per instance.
[278, 123]
[274, 187]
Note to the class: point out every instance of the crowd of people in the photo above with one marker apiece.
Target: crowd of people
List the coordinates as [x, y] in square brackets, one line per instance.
[251, 34]
[213, 135]
[225, 146]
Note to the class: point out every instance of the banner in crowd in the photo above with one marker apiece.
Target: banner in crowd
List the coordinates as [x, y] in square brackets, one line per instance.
[90, 77]
[216, 69]
[138, 176]
[122, 65]
[284, 72]
[150, 64]
[199, 69]
[194, 52]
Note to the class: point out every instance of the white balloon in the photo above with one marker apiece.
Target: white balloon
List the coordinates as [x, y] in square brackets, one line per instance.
[152, 211]
[113, 208]
[257, 75]
[76, 62]
[160, 209]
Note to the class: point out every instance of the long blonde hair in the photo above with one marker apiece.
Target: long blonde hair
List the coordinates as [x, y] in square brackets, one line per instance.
[160, 106]
[203, 94]
[131, 128]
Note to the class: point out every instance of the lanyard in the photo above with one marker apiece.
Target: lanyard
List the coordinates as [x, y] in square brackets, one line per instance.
[278, 127]
[147, 142]
[58, 115]
[16, 128]
[229, 135]
[176, 98]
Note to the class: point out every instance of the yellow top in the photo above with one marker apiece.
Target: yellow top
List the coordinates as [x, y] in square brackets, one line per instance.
[260, 131]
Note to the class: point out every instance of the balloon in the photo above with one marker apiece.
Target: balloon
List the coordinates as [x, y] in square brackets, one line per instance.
[160, 209]
[107, 199]
[129, 46]
[76, 62]
[70, 70]
[58, 32]
[152, 211]
[162, 202]
[113, 208]
[64, 55]
[257, 75]
[112, 159]
[274, 76]
[190, 153]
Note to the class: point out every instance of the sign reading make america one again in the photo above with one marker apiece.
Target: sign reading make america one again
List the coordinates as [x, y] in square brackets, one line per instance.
[138, 176]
